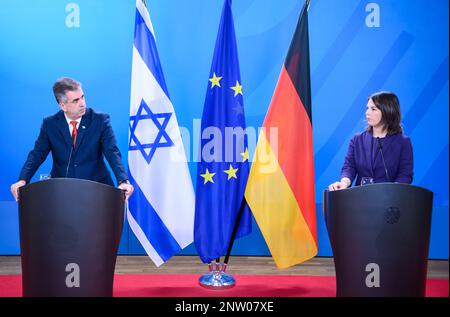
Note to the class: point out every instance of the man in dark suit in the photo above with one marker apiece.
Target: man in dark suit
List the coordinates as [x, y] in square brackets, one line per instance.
[78, 139]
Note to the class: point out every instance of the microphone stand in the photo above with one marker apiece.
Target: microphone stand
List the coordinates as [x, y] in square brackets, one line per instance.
[70, 157]
[382, 157]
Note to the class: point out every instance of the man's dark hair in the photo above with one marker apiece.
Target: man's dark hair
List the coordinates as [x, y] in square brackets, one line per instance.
[389, 106]
[62, 85]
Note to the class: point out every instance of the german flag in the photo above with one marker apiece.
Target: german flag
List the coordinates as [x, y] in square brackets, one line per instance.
[280, 187]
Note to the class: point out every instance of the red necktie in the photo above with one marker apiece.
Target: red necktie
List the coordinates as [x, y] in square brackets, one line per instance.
[74, 132]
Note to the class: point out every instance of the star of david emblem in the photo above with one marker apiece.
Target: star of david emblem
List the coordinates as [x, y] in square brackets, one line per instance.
[143, 124]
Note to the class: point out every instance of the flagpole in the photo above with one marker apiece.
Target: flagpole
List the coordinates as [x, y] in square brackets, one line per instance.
[218, 264]
[233, 235]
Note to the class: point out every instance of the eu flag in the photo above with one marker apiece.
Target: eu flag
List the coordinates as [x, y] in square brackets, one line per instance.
[223, 167]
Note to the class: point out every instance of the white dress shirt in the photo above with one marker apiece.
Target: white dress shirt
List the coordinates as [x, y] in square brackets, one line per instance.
[71, 126]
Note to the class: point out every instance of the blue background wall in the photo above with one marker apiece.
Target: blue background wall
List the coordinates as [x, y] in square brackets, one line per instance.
[407, 53]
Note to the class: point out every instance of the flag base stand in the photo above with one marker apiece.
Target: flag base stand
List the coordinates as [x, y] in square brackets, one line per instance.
[217, 280]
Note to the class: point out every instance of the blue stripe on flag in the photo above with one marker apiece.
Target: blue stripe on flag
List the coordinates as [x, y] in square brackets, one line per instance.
[146, 46]
[151, 224]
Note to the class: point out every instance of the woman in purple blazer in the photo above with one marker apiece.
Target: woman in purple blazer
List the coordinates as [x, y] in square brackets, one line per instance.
[382, 152]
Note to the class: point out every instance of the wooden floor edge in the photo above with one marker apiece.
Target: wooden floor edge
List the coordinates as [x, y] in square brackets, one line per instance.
[240, 265]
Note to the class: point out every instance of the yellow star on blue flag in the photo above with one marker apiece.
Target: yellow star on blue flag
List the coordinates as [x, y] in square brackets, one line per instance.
[237, 89]
[215, 81]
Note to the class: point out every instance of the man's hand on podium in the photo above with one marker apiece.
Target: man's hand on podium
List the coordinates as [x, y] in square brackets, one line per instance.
[15, 188]
[127, 187]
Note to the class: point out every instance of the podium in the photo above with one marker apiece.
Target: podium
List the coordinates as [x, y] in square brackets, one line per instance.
[379, 235]
[70, 231]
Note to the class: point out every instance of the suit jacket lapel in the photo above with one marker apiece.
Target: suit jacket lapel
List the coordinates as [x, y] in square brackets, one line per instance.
[63, 128]
[387, 143]
[82, 127]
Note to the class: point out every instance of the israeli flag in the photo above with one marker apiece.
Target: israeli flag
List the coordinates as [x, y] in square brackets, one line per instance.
[161, 210]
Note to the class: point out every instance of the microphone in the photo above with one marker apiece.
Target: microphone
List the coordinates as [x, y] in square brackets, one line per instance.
[70, 157]
[382, 157]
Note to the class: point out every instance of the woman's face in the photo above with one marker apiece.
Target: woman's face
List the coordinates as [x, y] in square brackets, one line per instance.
[373, 115]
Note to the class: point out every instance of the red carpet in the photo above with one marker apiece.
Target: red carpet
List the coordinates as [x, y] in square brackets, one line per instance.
[145, 285]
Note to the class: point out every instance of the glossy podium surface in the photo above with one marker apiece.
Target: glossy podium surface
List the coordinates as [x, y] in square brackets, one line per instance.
[380, 236]
[70, 231]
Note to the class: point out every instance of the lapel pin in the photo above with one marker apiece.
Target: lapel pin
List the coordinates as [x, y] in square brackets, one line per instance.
[83, 127]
